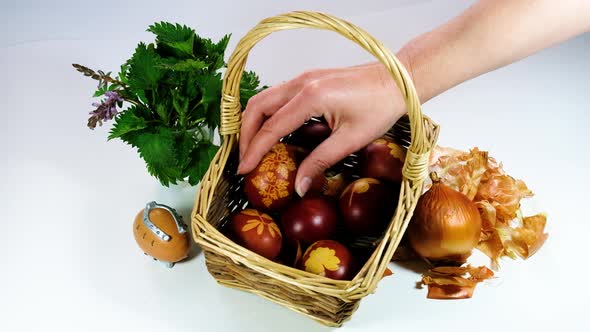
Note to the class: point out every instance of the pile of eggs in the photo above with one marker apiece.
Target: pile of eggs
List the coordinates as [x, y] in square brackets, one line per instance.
[312, 233]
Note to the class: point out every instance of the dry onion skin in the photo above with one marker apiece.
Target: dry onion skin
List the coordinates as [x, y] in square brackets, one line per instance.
[497, 195]
[386, 273]
[450, 282]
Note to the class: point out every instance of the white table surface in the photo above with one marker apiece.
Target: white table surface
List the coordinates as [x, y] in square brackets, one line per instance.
[68, 197]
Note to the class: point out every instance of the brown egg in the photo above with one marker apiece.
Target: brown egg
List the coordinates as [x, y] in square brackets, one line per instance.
[310, 219]
[271, 184]
[367, 206]
[298, 152]
[311, 134]
[173, 248]
[330, 259]
[291, 253]
[258, 232]
[382, 159]
[328, 184]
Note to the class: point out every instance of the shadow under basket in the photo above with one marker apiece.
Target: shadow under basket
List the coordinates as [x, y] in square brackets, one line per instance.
[330, 302]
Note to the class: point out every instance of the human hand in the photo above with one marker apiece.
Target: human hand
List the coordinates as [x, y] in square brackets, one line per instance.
[359, 103]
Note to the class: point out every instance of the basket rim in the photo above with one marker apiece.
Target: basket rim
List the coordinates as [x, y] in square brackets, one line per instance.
[210, 238]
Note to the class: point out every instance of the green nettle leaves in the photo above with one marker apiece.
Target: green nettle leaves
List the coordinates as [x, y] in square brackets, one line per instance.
[156, 147]
[248, 86]
[196, 169]
[144, 72]
[127, 122]
[176, 39]
[174, 88]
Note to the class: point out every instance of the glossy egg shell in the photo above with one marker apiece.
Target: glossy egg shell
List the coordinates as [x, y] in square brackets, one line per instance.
[270, 186]
[257, 232]
[367, 206]
[318, 184]
[328, 184]
[311, 134]
[172, 251]
[291, 253]
[298, 152]
[310, 219]
[382, 159]
[330, 259]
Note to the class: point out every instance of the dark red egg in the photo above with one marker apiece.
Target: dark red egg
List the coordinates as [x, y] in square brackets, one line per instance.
[298, 152]
[328, 185]
[310, 219]
[271, 184]
[328, 258]
[367, 206]
[257, 232]
[291, 253]
[311, 134]
[318, 183]
[382, 159]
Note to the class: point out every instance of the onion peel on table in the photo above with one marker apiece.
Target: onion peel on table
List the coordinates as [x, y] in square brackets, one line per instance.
[387, 273]
[505, 232]
[524, 240]
[451, 282]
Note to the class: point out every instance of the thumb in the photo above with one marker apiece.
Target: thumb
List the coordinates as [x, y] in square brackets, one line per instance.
[331, 151]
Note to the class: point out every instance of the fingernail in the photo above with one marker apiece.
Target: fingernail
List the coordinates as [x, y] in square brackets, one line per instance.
[303, 186]
[239, 169]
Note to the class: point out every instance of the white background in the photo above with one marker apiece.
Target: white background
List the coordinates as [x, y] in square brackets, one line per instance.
[68, 197]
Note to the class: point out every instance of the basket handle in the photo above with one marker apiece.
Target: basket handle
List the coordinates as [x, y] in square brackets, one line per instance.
[416, 165]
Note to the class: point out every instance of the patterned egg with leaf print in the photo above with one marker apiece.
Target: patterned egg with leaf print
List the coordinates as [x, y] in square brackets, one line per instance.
[382, 159]
[270, 186]
[367, 205]
[330, 259]
[257, 232]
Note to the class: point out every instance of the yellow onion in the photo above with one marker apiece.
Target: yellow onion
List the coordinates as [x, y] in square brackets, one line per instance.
[446, 225]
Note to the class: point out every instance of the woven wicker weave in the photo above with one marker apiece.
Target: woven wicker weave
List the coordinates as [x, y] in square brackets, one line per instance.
[330, 302]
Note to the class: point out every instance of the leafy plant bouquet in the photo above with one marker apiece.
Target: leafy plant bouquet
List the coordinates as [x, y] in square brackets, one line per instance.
[172, 93]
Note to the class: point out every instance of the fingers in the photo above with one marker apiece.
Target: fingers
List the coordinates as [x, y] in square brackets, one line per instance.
[283, 122]
[261, 106]
[269, 101]
[340, 144]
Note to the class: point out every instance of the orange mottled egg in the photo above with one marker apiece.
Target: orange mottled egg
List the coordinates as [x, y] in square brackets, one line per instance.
[172, 250]
[271, 184]
[382, 159]
[330, 259]
[258, 232]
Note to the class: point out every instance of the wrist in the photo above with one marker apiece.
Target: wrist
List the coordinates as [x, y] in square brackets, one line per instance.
[415, 65]
[417, 68]
[436, 61]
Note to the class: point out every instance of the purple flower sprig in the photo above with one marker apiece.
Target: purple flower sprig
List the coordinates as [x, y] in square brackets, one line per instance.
[105, 110]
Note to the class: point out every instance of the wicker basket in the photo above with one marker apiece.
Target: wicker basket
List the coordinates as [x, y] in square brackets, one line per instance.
[330, 302]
